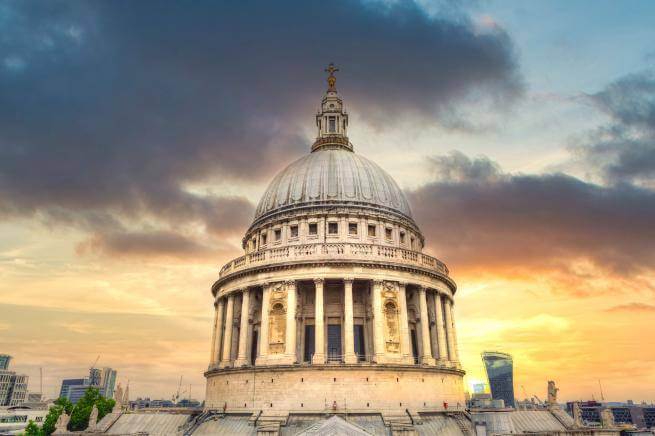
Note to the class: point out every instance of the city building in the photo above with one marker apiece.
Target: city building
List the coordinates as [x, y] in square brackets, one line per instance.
[104, 379]
[13, 420]
[4, 361]
[66, 384]
[642, 416]
[500, 372]
[13, 386]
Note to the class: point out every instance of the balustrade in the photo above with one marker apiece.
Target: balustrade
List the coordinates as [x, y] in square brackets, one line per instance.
[329, 251]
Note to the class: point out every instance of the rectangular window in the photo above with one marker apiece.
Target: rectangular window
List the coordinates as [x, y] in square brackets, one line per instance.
[333, 124]
[278, 234]
[371, 230]
[263, 239]
[294, 231]
[352, 228]
[333, 228]
[313, 228]
[411, 242]
[402, 237]
[388, 233]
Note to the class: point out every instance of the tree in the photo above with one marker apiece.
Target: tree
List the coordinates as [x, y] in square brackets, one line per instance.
[61, 405]
[82, 410]
[33, 430]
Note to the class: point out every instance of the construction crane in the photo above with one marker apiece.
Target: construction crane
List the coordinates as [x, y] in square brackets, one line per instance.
[176, 397]
[525, 394]
[93, 365]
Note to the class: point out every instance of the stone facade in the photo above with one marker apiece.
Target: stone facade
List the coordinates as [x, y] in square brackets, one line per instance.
[333, 304]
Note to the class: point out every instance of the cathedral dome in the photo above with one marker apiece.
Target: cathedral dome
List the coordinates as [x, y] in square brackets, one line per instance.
[332, 177]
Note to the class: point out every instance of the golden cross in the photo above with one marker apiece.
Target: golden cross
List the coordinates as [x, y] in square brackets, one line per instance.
[331, 79]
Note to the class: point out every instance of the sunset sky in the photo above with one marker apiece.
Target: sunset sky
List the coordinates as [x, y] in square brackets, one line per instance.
[137, 137]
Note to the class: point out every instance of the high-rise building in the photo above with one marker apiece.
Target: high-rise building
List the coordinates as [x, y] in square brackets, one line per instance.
[4, 361]
[13, 386]
[500, 372]
[104, 379]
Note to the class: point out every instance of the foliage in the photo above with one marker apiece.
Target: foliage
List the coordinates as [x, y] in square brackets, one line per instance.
[79, 413]
[82, 410]
[33, 430]
[50, 421]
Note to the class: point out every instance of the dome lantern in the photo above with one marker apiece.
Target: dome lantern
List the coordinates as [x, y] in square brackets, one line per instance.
[332, 119]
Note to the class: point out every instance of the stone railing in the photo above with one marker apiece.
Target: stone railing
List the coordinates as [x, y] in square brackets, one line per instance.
[331, 251]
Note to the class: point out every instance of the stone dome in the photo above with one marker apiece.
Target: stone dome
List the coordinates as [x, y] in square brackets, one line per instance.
[330, 177]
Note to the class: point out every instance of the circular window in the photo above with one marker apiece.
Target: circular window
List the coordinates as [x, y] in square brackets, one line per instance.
[331, 105]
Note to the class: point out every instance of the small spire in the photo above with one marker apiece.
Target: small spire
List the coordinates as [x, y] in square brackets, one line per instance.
[332, 119]
[331, 80]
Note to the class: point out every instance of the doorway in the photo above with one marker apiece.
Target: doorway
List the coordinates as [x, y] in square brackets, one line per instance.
[334, 343]
[360, 349]
[253, 347]
[310, 343]
[414, 346]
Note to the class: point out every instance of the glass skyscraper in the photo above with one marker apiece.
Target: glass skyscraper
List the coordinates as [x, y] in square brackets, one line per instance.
[500, 372]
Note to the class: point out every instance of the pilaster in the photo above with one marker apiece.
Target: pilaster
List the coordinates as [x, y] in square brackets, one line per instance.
[217, 334]
[242, 358]
[319, 324]
[290, 339]
[378, 321]
[405, 344]
[426, 351]
[229, 325]
[349, 340]
[441, 329]
[263, 341]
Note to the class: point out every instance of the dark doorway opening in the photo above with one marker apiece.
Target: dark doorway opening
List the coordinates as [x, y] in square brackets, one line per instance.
[360, 349]
[414, 346]
[309, 343]
[253, 347]
[334, 343]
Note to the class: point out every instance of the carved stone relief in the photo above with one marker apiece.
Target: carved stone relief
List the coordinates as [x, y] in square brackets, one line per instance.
[277, 329]
[391, 317]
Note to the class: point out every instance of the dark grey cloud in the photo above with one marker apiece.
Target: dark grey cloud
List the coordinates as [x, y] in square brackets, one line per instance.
[624, 149]
[152, 243]
[109, 110]
[495, 220]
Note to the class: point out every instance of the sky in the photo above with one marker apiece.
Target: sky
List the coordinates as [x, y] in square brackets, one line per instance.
[137, 137]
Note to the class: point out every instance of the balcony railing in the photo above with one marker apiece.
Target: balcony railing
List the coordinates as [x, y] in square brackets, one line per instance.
[331, 251]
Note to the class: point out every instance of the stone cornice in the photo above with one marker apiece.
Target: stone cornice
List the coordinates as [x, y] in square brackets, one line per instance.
[446, 369]
[340, 262]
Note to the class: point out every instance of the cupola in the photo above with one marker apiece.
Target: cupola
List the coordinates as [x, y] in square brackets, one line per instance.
[332, 119]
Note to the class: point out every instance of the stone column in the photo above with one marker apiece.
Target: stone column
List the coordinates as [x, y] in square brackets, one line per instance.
[349, 339]
[263, 329]
[450, 332]
[441, 331]
[242, 358]
[217, 335]
[378, 321]
[426, 351]
[405, 344]
[319, 324]
[290, 340]
[229, 326]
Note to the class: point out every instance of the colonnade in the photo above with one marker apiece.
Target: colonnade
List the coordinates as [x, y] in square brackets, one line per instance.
[392, 339]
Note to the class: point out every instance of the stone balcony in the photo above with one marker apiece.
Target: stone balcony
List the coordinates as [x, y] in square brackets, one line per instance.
[334, 251]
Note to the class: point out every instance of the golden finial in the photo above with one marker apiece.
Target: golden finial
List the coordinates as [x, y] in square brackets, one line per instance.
[331, 79]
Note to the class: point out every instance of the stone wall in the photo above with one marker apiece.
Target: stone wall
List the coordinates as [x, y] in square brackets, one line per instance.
[353, 388]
